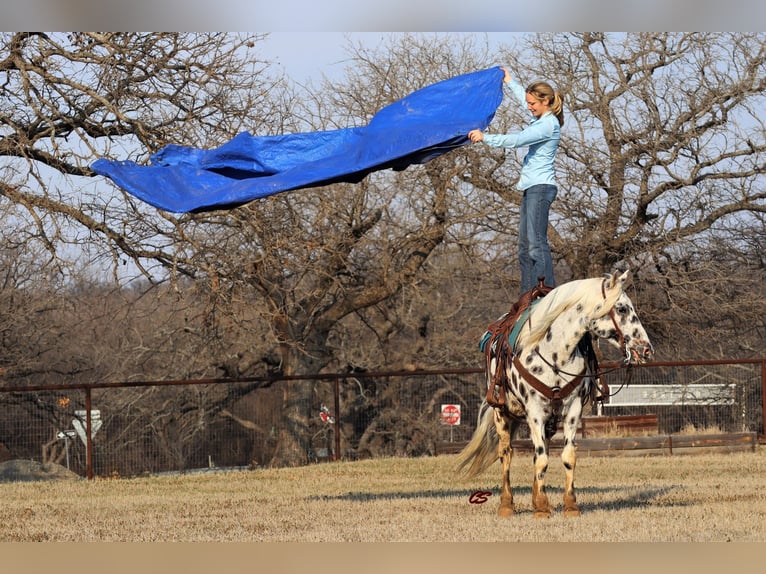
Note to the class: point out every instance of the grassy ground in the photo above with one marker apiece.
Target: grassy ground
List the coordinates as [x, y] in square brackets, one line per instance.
[694, 498]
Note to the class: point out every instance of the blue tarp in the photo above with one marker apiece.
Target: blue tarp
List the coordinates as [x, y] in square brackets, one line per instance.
[413, 130]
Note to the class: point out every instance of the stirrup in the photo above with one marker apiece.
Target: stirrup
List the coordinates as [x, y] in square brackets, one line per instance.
[496, 395]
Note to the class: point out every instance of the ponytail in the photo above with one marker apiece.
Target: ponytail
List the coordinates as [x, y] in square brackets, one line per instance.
[557, 107]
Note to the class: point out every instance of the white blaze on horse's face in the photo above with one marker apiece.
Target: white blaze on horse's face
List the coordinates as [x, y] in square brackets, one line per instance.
[621, 326]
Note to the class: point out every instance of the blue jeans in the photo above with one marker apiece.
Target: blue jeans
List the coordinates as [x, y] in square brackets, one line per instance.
[534, 252]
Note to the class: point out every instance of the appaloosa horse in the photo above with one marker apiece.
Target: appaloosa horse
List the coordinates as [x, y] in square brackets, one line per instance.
[547, 377]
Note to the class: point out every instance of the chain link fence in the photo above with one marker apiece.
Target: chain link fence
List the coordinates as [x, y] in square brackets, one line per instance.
[154, 427]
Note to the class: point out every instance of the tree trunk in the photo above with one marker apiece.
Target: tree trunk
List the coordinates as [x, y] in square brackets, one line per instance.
[293, 436]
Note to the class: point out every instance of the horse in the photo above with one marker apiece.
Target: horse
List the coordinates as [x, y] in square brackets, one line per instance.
[547, 377]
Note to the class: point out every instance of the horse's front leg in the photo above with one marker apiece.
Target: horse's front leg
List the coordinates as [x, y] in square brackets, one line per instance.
[569, 456]
[536, 419]
[505, 428]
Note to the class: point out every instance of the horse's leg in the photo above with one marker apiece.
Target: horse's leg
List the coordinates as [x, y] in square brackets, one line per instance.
[569, 456]
[536, 420]
[505, 428]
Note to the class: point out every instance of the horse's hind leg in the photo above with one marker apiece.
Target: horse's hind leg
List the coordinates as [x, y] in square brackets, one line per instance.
[505, 428]
[569, 457]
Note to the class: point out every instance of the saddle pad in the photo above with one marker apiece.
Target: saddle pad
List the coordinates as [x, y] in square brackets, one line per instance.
[514, 334]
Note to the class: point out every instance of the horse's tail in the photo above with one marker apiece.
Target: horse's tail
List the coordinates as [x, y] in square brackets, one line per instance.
[481, 450]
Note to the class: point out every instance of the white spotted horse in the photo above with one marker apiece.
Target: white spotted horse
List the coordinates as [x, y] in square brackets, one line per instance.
[545, 373]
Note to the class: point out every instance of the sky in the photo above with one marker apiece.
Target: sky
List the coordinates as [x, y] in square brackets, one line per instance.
[307, 55]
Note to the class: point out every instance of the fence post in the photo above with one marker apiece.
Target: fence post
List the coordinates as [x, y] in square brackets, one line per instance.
[336, 426]
[88, 435]
[763, 399]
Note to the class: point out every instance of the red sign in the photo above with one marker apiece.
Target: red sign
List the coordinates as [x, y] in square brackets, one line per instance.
[451, 414]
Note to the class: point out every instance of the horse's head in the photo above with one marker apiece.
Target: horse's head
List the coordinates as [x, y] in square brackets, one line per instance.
[621, 325]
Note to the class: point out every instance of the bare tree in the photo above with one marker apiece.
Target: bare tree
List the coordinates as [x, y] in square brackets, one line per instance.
[70, 98]
[65, 100]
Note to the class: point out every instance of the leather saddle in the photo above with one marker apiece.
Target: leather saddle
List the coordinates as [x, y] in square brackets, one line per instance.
[497, 342]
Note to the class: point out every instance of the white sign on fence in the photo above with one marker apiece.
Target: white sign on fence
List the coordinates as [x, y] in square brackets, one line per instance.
[79, 423]
[677, 395]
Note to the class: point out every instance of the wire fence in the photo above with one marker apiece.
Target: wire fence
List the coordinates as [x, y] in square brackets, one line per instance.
[142, 428]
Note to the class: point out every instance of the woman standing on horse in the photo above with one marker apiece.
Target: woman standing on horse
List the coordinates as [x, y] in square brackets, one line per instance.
[536, 179]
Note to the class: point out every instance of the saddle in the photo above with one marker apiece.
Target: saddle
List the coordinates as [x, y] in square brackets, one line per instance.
[498, 338]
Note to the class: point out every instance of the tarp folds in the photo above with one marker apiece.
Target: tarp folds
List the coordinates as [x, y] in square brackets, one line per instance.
[413, 130]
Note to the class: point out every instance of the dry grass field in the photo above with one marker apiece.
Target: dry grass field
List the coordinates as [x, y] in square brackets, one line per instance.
[693, 498]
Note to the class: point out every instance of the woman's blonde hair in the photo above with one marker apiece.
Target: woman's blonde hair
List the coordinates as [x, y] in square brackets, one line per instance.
[546, 94]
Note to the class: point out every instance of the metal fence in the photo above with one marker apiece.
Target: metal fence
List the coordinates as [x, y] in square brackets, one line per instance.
[129, 429]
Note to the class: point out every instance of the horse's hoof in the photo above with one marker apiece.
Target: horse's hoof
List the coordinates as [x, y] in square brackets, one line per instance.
[572, 511]
[505, 511]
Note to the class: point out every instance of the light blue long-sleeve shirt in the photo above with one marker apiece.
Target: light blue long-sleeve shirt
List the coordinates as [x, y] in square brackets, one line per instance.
[542, 136]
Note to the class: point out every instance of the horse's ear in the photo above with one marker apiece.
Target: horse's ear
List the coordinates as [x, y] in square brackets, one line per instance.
[613, 280]
[623, 279]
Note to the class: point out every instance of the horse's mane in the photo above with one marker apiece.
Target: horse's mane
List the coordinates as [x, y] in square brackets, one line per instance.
[584, 292]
